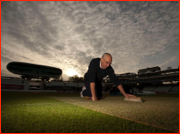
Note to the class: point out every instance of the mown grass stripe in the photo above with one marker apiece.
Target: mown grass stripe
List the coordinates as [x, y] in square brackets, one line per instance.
[54, 116]
[30, 104]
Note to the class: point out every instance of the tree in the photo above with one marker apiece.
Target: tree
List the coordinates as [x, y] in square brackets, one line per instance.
[76, 78]
[61, 78]
[57, 79]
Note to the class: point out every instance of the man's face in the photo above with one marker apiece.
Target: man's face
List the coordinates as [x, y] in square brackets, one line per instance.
[105, 62]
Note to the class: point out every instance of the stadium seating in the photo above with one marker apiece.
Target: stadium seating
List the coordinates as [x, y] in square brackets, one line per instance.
[11, 81]
[54, 83]
[80, 84]
[149, 88]
[71, 85]
[175, 89]
[163, 89]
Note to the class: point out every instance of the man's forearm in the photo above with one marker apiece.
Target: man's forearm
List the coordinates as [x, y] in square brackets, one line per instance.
[92, 87]
[121, 90]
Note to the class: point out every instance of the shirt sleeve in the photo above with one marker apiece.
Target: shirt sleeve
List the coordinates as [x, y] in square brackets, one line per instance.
[92, 71]
[114, 78]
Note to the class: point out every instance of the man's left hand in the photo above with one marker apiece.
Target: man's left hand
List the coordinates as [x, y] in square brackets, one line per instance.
[129, 95]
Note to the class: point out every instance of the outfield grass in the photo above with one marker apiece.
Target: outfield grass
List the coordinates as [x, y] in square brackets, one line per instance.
[23, 112]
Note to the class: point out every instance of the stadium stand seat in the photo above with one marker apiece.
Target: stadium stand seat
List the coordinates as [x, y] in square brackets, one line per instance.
[175, 89]
[80, 84]
[54, 83]
[149, 88]
[163, 89]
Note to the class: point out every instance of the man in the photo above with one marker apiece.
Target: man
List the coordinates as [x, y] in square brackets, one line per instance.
[98, 69]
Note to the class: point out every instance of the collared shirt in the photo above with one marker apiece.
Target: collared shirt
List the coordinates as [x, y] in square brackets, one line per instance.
[100, 64]
[96, 74]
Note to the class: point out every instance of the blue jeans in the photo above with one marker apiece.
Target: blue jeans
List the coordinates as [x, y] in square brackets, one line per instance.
[98, 89]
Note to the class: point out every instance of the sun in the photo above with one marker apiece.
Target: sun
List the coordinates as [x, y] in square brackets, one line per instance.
[72, 72]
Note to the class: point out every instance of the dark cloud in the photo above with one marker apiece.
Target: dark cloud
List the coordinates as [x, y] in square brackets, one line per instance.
[68, 34]
[25, 22]
[5, 59]
[60, 48]
[8, 56]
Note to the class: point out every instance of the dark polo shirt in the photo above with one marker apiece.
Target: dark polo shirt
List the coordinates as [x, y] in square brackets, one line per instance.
[96, 74]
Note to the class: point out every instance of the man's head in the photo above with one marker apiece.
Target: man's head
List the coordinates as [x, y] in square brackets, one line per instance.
[106, 60]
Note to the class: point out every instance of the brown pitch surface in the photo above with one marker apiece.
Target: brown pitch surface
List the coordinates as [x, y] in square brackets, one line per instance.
[159, 111]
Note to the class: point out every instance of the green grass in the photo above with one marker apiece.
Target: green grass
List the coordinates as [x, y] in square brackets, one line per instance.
[23, 112]
[160, 110]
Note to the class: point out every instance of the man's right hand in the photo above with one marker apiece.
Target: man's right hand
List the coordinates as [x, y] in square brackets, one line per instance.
[94, 98]
[93, 92]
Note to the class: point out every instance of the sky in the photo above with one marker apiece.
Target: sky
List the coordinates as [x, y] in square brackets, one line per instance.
[69, 34]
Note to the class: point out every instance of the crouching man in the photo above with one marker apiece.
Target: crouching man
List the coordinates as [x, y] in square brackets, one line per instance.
[98, 69]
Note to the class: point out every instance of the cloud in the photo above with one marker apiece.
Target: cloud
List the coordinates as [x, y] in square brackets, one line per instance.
[69, 34]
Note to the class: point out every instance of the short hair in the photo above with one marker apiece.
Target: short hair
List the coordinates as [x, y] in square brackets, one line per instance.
[105, 54]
